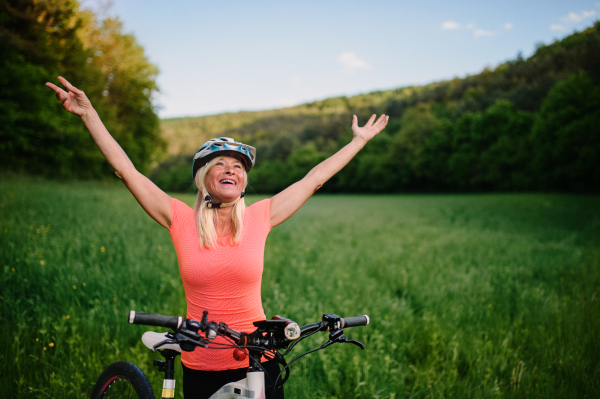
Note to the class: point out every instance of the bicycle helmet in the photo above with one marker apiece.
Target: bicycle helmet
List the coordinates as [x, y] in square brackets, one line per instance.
[223, 146]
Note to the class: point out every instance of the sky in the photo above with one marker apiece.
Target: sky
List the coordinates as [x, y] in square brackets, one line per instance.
[231, 55]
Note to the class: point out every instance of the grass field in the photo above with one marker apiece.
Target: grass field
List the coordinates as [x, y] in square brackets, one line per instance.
[470, 296]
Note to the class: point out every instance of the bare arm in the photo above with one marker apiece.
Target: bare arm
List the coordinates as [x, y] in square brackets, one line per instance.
[154, 201]
[287, 202]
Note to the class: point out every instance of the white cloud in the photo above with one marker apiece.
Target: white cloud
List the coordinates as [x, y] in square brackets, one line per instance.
[508, 26]
[450, 25]
[351, 62]
[295, 79]
[557, 27]
[574, 17]
[477, 32]
[483, 32]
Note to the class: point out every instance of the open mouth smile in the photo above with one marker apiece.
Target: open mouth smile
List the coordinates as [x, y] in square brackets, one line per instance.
[228, 181]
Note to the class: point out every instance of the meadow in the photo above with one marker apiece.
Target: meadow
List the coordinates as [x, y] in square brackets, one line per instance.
[470, 296]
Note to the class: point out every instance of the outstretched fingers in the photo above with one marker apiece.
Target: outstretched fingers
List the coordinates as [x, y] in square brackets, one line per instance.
[371, 120]
[69, 86]
[54, 87]
[60, 93]
[382, 121]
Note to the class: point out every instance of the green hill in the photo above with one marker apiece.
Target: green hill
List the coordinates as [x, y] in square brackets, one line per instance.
[528, 124]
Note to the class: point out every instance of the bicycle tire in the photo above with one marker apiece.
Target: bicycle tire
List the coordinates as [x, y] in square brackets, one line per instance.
[123, 380]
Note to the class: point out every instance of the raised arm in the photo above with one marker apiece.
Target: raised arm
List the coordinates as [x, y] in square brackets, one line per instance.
[154, 201]
[287, 202]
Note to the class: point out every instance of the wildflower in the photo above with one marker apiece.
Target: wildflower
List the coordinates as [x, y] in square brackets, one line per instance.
[160, 247]
[102, 249]
[482, 299]
[74, 287]
[42, 262]
[84, 283]
[115, 299]
[44, 348]
[37, 339]
[51, 344]
[68, 317]
[13, 269]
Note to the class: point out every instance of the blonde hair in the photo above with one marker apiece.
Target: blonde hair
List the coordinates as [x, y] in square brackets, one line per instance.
[206, 217]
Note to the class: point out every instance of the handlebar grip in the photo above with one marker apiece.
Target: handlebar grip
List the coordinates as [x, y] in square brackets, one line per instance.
[158, 320]
[355, 321]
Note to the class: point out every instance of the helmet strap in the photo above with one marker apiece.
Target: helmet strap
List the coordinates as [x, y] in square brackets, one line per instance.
[211, 204]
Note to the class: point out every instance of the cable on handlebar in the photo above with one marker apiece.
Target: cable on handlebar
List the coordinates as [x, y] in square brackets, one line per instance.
[242, 348]
[300, 339]
[325, 345]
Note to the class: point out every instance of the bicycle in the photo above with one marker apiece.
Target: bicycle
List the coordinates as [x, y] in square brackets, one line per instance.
[270, 336]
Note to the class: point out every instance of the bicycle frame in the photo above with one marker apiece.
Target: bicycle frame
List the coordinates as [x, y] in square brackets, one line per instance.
[253, 386]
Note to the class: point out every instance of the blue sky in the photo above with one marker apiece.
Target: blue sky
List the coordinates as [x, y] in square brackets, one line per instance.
[218, 56]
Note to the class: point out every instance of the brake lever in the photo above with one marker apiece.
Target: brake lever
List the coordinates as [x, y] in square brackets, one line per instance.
[355, 342]
[339, 336]
[165, 342]
[188, 345]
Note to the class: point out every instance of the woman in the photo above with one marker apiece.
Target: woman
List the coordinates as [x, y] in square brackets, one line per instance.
[220, 243]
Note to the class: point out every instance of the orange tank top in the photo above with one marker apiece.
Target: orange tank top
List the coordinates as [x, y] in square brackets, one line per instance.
[224, 279]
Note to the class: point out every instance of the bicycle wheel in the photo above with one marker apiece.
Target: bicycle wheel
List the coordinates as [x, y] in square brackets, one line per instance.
[122, 380]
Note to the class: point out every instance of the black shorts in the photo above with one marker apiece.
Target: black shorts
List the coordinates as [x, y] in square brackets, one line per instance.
[200, 384]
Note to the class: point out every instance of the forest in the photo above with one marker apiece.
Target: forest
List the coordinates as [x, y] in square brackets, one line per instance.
[40, 40]
[525, 125]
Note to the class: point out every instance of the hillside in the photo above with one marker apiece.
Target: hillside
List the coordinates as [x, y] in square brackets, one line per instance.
[486, 132]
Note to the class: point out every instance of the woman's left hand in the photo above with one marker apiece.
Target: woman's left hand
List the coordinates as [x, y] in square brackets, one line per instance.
[75, 101]
[370, 130]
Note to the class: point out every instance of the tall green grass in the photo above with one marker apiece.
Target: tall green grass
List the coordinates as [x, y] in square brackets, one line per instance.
[474, 296]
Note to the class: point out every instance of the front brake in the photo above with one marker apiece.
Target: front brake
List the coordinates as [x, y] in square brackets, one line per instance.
[338, 336]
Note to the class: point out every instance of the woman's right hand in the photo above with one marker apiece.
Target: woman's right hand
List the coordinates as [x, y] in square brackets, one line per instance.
[75, 101]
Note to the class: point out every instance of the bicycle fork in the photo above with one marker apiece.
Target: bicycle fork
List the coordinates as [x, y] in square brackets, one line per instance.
[168, 367]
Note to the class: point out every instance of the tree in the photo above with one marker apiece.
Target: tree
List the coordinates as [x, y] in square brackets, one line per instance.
[504, 146]
[566, 136]
[37, 39]
[124, 88]
[417, 126]
[40, 40]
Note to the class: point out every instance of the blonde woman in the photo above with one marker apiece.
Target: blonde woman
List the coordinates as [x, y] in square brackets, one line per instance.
[220, 243]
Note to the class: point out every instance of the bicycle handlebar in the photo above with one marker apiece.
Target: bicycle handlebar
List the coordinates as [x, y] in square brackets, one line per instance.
[356, 321]
[157, 320]
[212, 328]
[270, 335]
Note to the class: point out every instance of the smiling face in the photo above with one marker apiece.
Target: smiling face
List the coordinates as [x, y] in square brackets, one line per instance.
[225, 181]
